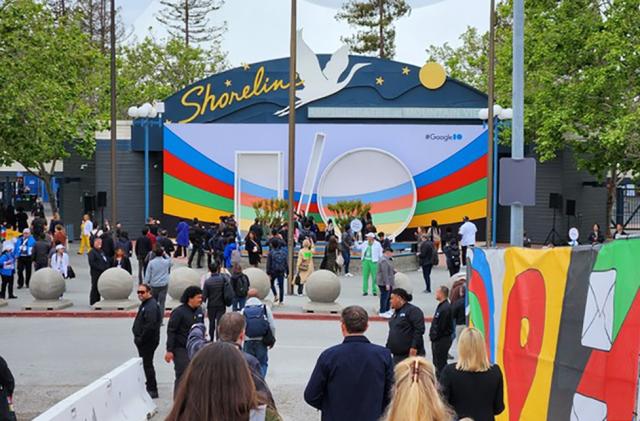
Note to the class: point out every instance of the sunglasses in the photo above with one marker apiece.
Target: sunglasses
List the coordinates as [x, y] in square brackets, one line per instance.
[142, 292]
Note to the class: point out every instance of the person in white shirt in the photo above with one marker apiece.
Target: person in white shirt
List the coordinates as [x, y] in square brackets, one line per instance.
[468, 233]
[371, 252]
[60, 261]
[85, 233]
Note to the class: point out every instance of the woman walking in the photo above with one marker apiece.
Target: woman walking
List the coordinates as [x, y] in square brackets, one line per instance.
[304, 265]
[434, 234]
[253, 248]
[330, 260]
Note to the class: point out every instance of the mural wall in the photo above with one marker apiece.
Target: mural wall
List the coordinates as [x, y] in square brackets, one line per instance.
[410, 174]
[564, 325]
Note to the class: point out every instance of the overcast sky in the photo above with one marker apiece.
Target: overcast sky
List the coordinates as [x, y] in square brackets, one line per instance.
[259, 29]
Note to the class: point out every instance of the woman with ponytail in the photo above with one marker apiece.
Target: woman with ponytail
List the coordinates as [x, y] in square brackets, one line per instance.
[415, 394]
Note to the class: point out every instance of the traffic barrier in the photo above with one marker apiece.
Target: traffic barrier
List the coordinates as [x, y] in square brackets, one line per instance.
[118, 395]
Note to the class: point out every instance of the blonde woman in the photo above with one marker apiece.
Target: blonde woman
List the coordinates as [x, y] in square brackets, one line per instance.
[415, 393]
[472, 386]
[305, 264]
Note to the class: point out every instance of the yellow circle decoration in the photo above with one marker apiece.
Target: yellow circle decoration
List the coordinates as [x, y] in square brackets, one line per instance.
[524, 332]
[433, 75]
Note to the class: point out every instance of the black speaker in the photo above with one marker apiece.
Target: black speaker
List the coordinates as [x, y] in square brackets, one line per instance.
[89, 203]
[571, 208]
[555, 201]
[102, 199]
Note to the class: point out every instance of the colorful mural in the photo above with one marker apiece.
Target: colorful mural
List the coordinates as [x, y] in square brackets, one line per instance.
[564, 324]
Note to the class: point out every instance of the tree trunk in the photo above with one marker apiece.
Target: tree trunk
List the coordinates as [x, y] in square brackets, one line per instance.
[186, 23]
[381, 5]
[612, 186]
[46, 178]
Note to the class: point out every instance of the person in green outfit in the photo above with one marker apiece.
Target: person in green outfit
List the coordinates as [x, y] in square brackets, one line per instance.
[370, 252]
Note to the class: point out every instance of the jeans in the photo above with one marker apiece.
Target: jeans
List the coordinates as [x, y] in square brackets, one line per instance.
[146, 353]
[160, 294]
[141, 269]
[369, 268]
[346, 255]
[238, 303]
[385, 295]
[426, 274]
[180, 363]
[24, 265]
[280, 279]
[214, 313]
[7, 284]
[260, 351]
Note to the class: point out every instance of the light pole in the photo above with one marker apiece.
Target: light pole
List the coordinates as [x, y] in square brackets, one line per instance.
[292, 137]
[147, 116]
[500, 119]
[517, 134]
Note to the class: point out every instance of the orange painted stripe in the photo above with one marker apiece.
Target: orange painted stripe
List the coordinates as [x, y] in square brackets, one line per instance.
[467, 175]
[184, 172]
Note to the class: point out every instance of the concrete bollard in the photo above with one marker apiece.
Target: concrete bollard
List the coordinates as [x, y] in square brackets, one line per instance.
[47, 287]
[402, 281]
[179, 280]
[259, 280]
[323, 288]
[115, 286]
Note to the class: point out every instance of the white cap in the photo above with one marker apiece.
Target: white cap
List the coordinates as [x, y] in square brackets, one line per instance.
[371, 235]
[26, 231]
[59, 247]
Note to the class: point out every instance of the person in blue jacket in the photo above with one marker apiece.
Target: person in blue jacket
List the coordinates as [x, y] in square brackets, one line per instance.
[7, 268]
[182, 239]
[23, 251]
[228, 250]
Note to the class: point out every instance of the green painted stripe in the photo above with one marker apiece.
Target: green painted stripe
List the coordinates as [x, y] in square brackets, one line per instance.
[467, 194]
[390, 217]
[181, 190]
[475, 313]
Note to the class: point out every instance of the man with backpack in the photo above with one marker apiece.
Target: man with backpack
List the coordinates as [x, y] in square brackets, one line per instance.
[427, 255]
[240, 286]
[218, 294]
[452, 252]
[277, 269]
[260, 330]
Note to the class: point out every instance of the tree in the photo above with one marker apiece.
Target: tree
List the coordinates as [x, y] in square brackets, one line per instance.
[375, 21]
[153, 70]
[189, 19]
[346, 211]
[271, 213]
[48, 72]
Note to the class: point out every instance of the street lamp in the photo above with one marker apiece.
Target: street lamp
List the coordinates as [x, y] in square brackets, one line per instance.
[501, 117]
[146, 116]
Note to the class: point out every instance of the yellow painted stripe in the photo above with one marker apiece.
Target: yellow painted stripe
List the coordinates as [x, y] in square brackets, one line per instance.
[474, 210]
[188, 210]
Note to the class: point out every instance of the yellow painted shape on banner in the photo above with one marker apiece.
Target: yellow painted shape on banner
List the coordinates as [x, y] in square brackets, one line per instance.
[188, 210]
[474, 210]
[553, 264]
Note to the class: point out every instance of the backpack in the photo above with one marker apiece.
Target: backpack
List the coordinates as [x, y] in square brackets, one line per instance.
[257, 324]
[278, 261]
[227, 292]
[241, 282]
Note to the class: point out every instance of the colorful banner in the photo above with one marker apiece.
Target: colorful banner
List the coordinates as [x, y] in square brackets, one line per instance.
[564, 325]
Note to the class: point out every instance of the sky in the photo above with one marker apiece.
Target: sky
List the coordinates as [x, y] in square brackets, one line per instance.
[259, 29]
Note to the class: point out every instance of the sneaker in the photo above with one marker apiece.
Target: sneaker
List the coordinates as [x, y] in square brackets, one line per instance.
[427, 291]
[386, 314]
[153, 394]
[375, 294]
[365, 294]
[11, 297]
[348, 275]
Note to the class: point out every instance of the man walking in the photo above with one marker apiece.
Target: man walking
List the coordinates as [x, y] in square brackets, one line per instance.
[196, 236]
[98, 263]
[427, 254]
[218, 294]
[386, 281]
[353, 380]
[260, 331]
[142, 249]
[406, 327]
[41, 253]
[157, 275]
[146, 335]
[467, 232]
[182, 318]
[23, 251]
[346, 244]
[371, 251]
[441, 330]
[277, 269]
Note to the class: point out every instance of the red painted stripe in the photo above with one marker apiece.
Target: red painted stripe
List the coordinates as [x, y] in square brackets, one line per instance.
[179, 169]
[467, 175]
[390, 205]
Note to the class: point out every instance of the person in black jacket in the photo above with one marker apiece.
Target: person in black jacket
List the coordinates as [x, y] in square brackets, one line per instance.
[426, 255]
[146, 335]
[41, 253]
[352, 380]
[165, 242]
[196, 236]
[121, 260]
[596, 236]
[98, 263]
[218, 294]
[406, 327]
[7, 384]
[143, 248]
[180, 322]
[441, 332]
[108, 245]
[452, 252]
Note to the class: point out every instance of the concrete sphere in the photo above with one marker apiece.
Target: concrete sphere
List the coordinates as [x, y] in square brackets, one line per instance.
[47, 284]
[115, 284]
[323, 286]
[458, 276]
[402, 281]
[259, 280]
[180, 279]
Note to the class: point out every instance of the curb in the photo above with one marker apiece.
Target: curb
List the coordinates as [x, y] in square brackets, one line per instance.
[132, 314]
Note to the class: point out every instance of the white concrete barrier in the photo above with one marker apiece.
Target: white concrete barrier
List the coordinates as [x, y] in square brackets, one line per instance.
[118, 395]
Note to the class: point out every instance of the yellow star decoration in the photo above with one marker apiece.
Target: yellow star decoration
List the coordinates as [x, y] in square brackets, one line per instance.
[245, 66]
[405, 70]
[227, 83]
[379, 80]
[168, 121]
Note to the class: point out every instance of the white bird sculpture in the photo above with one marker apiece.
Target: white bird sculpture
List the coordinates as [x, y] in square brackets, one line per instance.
[320, 83]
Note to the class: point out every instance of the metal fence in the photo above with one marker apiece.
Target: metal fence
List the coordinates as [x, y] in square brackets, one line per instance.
[626, 207]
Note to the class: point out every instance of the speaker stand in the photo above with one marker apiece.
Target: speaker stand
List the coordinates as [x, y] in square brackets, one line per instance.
[553, 237]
